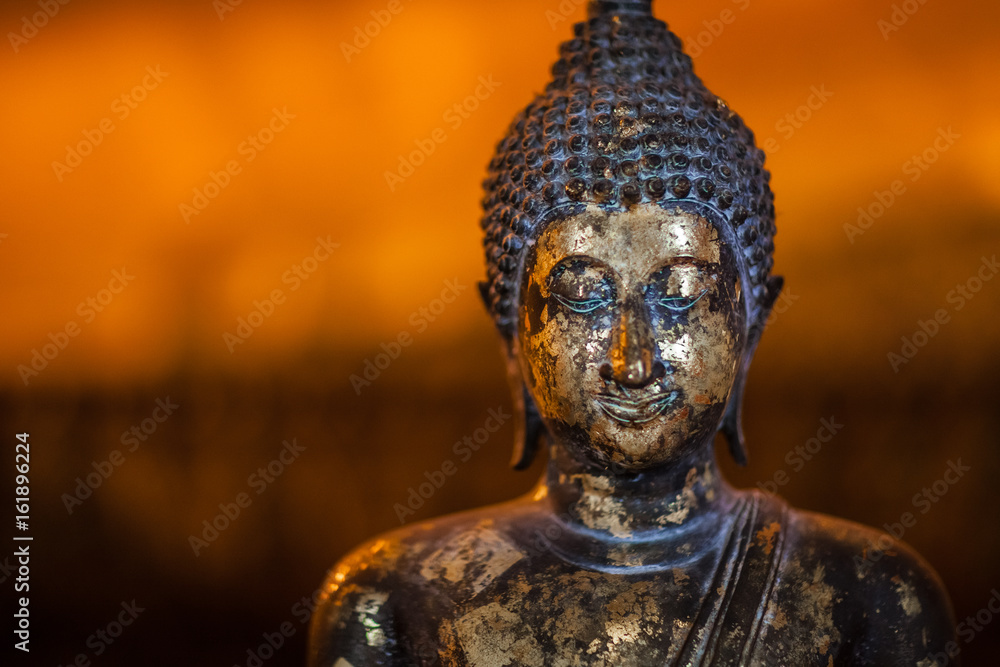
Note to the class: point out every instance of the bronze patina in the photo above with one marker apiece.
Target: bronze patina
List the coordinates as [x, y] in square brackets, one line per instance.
[629, 238]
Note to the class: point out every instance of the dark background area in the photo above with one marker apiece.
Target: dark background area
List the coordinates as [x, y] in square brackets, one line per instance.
[825, 355]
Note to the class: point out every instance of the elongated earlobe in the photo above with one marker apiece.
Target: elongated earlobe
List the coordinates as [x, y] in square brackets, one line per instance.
[528, 429]
[528, 425]
[732, 424]
[732, 421]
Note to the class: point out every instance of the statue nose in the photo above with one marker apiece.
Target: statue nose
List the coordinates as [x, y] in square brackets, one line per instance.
[632, 358]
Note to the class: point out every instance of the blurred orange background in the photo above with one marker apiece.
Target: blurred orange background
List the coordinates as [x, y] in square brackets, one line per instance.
[204, 150]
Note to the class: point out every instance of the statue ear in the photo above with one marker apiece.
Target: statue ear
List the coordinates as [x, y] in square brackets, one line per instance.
[528, 430]
[732, 421]
[528, 425]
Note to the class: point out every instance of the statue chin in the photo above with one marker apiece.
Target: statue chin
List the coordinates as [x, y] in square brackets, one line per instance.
[628, 228]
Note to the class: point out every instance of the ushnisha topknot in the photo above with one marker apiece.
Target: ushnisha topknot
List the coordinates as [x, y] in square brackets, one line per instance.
[625, 121]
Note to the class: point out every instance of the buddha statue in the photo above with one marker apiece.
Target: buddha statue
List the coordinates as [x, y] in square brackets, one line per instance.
[628, 228]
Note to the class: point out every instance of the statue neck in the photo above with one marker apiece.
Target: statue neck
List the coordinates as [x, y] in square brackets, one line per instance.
[683, 496]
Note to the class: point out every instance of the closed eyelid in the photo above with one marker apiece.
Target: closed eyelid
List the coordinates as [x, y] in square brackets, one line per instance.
[682, 283]
[581, 306]
[680, 303]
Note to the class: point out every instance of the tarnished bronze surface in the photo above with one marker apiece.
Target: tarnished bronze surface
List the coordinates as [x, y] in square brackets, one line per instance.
[629, 236]
[631, 333]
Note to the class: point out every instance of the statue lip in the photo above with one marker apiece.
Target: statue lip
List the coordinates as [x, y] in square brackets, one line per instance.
[631, 411]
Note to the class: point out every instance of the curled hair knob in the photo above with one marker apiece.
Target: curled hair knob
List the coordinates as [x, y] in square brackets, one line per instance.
[598, 8]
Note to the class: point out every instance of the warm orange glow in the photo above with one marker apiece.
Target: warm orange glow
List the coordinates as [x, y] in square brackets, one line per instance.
[352, 115]
[174, 259]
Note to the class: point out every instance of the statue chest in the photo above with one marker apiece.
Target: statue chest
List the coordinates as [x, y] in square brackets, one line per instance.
[580, 617]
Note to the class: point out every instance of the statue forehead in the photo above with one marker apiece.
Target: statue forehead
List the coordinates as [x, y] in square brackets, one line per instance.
[635, 241]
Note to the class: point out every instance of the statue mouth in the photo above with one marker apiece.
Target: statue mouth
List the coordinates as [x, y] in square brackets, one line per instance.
[635, 412]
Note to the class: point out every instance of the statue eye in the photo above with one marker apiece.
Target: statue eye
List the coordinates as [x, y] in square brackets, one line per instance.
[680, 286]
[580, 305]
[681, 303]
[581, 285]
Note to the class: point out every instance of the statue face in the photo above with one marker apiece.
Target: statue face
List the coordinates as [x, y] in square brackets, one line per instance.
[631, 333]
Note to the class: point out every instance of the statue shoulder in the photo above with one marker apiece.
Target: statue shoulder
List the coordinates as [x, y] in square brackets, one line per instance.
[353, 619]
[887, 596]
[381, 602]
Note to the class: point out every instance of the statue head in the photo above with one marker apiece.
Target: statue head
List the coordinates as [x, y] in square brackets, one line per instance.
[629, 232]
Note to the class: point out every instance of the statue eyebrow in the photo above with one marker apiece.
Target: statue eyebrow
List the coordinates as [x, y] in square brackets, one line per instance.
[566, 262]
[702, 264]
